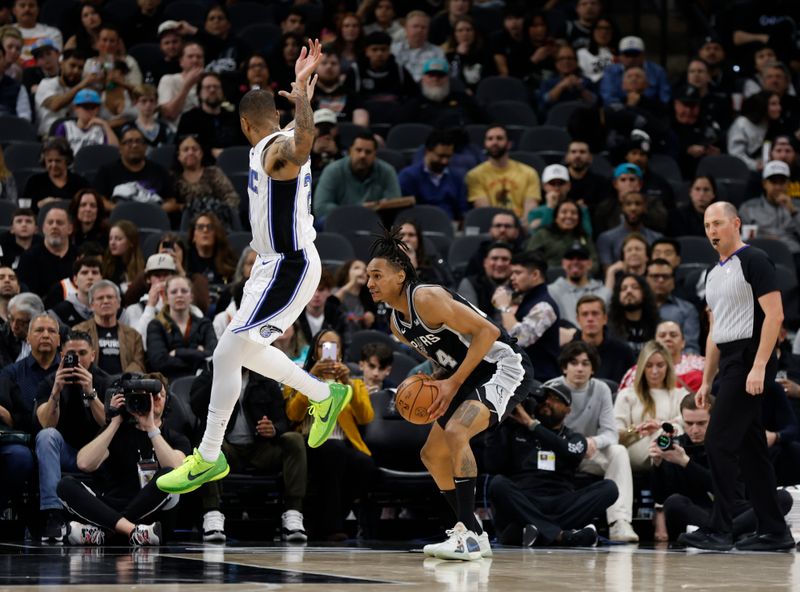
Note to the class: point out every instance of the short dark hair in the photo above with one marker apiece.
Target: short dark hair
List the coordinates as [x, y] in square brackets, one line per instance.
[23, 212]
[530, 260]
[689, 403]
[365, 135]
[294, 10]
[493, 126]
[666, 240]
[575, 348]
[256, 104]
[439, 137]
[77, 54]
[379, 349]
[589, 298]
[82, 262]
[208, 75]
[660, 261]
[326, 280]
[499, 245]
[73, 335]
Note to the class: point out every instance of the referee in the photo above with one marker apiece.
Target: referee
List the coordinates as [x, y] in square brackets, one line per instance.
[746, 315]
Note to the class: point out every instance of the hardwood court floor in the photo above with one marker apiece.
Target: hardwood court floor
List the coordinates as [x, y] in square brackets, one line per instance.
[382, 568]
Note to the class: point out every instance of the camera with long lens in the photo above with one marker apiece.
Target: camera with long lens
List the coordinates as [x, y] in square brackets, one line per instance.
[138, 393]
[666, 441]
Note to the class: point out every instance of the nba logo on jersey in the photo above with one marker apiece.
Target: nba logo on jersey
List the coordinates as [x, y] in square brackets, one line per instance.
[267, 330]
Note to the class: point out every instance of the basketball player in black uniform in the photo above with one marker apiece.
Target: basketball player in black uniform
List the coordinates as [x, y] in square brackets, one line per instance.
[482, 375]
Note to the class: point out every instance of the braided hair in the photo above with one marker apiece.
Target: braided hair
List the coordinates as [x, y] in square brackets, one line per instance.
[390, 247]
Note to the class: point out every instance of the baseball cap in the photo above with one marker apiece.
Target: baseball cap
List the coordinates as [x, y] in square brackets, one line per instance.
[639, 140]
[436, 66]
[775, 168]
[555, 171]
[627, 168]
[631, 44]
[324, 116]
[577, 250]
[87, 96]
[689, 95]
[557, 387]
[160, 262]
[168, 26]
[43, 43]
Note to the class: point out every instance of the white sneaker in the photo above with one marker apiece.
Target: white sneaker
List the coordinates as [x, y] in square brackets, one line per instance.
[292, 529]
[623, 532]
[462, 545]
[85, 534]
[430, 548]
[486, 546]
[214, 527]
[146, 534]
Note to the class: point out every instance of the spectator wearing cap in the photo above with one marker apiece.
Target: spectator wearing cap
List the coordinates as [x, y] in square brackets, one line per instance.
[712, 52]
[26, 13]
[586, 187]
[415, 50]
[634, 209]
[694, 135]
[432, 181]
[360, 178]
[47, 57]
[215, 122]
[534, 495]
[632, 54]
[55, 95]
[333, 94]
[531, 316]
[576, 282]
[170, 43]
[88, 129]
[13, 98]
[325, 148]
[501, 181]
[177, 93]
[627, 178]
[569, 84]
[553, 240]
[57, 181]
[784, 148]
[655, 187]
[438, 104]
[556, 185]
[774, 213]
[377, 76]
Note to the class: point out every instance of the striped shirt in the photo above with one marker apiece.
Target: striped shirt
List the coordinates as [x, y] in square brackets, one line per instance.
[280, 211]
[732, 288]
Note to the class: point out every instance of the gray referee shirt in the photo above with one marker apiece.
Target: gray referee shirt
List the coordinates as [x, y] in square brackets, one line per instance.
[733, 287]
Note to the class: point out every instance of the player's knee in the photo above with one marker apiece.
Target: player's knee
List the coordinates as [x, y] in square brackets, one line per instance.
[456, 436]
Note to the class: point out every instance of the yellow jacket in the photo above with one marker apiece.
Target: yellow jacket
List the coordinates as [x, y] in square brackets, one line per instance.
[358, 412]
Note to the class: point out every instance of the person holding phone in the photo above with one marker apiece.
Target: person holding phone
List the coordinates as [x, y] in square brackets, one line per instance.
[343, 464]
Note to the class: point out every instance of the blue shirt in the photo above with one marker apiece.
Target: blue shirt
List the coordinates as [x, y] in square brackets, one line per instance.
[450, 193]
[657, 88]
[27, 374]
[683, 313]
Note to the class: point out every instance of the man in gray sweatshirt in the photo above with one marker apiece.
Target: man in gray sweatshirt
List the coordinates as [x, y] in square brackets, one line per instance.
[592, 415]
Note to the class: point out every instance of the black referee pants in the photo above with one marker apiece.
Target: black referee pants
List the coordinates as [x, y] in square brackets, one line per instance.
[736, 443]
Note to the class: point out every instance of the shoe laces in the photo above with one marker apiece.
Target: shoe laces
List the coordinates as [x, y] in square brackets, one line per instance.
[314, 407]
[93, 535]
[292, 520]
[140, 535]
[214, 521]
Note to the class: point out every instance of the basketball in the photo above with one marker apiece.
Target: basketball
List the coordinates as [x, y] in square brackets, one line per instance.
[413, 399]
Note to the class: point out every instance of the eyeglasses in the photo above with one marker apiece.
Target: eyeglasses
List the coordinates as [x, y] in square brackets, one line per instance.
[204, 227]
[660, 277]
[132, 142]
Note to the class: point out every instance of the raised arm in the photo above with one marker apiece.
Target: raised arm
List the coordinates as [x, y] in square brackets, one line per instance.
[286, 155]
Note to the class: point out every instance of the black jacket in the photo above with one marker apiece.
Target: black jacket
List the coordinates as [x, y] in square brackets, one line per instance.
[262, 396]
[513, 450]
[187, 358]
[332, 317]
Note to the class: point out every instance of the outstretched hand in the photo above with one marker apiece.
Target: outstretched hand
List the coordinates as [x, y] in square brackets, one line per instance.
[307, 61]
[297, 90]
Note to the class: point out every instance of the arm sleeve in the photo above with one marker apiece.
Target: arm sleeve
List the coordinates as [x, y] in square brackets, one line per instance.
[572, 447]
[691, 330]
[475, 188]
[759, 271]
[360, 403]
[158, 350]
[137, 356]
[538, 320]
[392, 187]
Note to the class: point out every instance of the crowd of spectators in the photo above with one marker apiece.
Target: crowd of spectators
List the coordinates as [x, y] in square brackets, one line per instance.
[593, 164]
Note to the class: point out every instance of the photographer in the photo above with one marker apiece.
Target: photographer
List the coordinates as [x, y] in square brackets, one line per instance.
[682, 479]
[70, 412]
[125, 460]
[533, 492]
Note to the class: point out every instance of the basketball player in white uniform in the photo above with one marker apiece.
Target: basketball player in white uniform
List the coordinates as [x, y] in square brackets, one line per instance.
[284, 278]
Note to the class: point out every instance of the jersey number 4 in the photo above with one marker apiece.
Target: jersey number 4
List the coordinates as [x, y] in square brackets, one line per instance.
[445, 360]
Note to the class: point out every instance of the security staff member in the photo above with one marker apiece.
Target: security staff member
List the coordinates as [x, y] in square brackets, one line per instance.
[746, 315]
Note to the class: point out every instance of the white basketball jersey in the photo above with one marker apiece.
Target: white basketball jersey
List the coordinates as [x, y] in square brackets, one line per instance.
[280, 211]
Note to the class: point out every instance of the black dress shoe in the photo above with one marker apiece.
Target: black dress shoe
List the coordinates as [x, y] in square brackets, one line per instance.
[767, 542]
[707, 540]
[529, 535]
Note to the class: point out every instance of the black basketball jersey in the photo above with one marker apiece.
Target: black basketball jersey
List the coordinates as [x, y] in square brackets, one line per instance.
[444, 345]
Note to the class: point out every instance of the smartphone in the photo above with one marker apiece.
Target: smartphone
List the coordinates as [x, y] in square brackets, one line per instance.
[167, 245]
[330, 350]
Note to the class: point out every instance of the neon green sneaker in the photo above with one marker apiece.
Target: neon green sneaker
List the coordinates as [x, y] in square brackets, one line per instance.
[326, 412]
[193, 473]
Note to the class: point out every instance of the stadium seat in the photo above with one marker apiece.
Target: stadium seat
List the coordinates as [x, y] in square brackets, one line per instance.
[348, 132]
[501, 88]
[362, 245]
[21, 177]
[462, 250]
[163, 156]
[401, 366]
[246, 13]
[362, 338]
[260, 37]
[239, 240]
[7, 209]
[727, 171]
[194, 12]
[149, 241]
[23, 155]
[478, 220]
[407, 137]
[559, 114]
[394, 442]
[665, 165]
[511, 112]
[697, 249]
[333, 249]
[432, 219]
[352, 220]
[476, 133]
[546, 140]
[148, 56]
[62, 203]
[777, 251]
[234, 159]
[532, 159]
[143, 215]
[16, 129]
[393, 157]
[91, 158]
